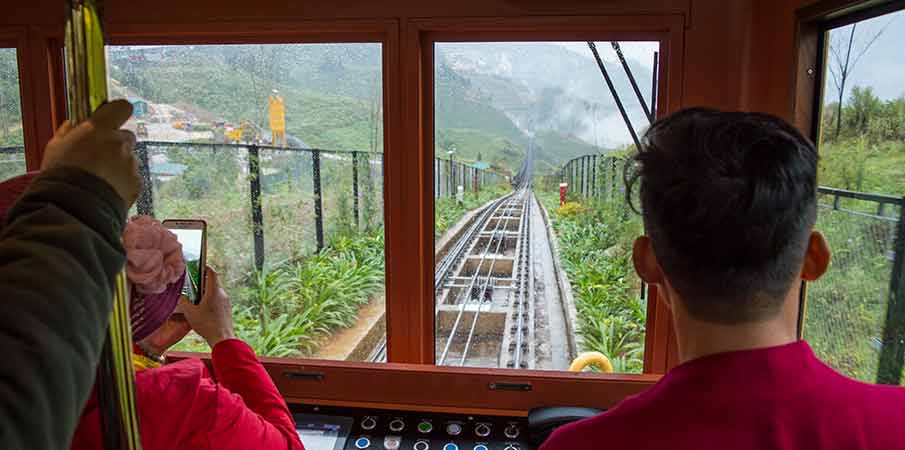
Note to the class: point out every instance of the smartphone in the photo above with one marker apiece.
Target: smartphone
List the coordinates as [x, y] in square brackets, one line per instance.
[192, 234]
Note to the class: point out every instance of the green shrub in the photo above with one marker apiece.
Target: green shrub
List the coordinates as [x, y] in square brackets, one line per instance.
[287, 310]
[595, 251]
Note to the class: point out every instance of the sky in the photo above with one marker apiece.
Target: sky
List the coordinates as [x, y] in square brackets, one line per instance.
[883, 64]
[641, 52]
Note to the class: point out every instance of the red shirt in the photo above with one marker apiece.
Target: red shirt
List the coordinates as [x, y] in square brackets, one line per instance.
[774, 398]
[181, 407]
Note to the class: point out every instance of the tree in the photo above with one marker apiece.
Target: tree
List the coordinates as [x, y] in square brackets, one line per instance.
[842, 64]
[863, 107]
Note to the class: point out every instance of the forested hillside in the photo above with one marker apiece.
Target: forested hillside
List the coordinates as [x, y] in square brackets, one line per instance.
[334, 99]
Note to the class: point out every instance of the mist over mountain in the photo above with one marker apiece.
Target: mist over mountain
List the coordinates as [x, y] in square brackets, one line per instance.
[491, 98]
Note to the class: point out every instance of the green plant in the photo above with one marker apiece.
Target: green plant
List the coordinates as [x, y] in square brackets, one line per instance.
[594, 243]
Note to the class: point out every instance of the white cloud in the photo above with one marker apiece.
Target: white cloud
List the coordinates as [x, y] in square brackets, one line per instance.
[640, 52]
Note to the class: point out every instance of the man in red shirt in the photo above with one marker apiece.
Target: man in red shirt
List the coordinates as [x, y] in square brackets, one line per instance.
[729, 206]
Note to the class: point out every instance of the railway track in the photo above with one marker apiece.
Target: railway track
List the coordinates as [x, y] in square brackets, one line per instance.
[484, 286]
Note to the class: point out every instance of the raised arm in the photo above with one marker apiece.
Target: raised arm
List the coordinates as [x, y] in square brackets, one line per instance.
[59, 253]
[249, 411]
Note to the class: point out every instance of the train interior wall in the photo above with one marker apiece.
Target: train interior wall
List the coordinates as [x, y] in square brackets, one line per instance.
[738, 54]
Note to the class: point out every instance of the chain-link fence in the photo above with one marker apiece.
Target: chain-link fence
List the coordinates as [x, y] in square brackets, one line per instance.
[12, 162]
[853, 319]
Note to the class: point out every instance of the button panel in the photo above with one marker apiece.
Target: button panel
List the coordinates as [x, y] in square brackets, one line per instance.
[368, 423]
[397, 425]
[373, 429]
[454, 428]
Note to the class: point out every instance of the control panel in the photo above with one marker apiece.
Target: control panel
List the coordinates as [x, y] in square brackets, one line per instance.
[336, 428]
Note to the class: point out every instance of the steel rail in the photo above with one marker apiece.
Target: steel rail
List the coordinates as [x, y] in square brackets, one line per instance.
[467, 301]
[523, 181]
[486, 284]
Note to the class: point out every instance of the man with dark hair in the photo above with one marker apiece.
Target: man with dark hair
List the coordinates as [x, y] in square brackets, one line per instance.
[729, 206]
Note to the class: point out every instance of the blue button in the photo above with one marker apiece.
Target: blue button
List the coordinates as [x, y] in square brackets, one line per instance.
[450, 446]
[363, 443]
[480, 447]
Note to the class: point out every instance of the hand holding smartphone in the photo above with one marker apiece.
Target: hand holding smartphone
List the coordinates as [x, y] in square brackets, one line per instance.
[192, 234]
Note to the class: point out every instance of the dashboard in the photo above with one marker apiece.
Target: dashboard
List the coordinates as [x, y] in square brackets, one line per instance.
[336, 428]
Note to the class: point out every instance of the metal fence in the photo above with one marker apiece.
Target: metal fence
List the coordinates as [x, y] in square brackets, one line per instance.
[855, 318]
[12, 161]
[450, 174]
[271, 204]
[597, 176]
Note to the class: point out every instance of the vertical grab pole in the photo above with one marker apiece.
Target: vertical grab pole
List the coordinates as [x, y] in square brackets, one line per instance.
[257, 213]
[318, 201]
[86, 81]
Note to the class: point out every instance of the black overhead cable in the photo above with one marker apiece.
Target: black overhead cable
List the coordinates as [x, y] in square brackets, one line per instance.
[609, 83]
[653, 87]
[631, 79]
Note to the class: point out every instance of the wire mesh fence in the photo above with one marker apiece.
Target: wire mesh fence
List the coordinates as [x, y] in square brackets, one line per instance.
[851, 319]
[592, 176]
[12, 161]
[855, 316]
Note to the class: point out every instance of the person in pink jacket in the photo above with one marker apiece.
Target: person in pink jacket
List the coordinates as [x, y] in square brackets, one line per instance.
[183, 406]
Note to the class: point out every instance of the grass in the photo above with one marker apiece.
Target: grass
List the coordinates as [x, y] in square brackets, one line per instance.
[595, 251]
[448, 212]
[859, 165]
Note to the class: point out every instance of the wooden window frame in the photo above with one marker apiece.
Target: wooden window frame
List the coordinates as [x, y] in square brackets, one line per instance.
[410, 379]
[419, 40]
[17, 39]
[812, 24]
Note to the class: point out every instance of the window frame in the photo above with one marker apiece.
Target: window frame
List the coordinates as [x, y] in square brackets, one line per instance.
[812, 26]
[407, 49]
[421, 37]
[16, 38]
[812, 30]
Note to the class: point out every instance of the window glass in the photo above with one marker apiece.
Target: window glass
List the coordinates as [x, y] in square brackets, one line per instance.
[862, 178]
[279, 148]
[12, 146]
[523, 281]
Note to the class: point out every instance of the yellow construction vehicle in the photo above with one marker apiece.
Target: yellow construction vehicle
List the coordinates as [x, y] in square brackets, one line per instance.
[246, 132]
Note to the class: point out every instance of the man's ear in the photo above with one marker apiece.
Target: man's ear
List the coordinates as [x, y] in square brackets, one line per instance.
[645, 261]
[817, 258]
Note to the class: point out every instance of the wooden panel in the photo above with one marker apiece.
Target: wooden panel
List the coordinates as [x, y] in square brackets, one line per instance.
[728, 55]
[441, 388]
